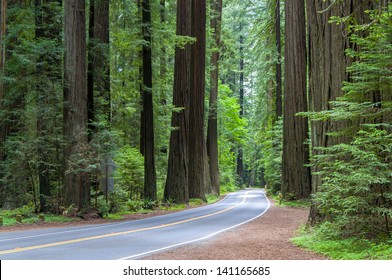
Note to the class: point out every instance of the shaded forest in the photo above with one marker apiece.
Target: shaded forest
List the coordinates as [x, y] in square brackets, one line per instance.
[112, 106]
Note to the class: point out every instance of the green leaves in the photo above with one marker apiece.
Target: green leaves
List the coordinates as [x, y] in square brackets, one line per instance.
[356, 189]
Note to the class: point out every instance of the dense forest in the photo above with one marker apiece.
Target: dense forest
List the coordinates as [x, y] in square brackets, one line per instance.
[112, 106]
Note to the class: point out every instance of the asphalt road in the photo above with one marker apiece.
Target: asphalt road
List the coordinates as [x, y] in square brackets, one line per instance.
[134, 239]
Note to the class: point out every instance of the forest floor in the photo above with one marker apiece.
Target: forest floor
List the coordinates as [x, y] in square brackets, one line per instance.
[266, 238]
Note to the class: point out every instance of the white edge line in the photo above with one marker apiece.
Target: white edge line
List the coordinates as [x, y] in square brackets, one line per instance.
[86, 228]
[202, 238]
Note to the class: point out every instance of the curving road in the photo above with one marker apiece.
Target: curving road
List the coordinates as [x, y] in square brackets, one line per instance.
[134, 239]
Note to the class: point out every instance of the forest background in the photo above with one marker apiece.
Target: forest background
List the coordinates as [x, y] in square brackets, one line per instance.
[122, 105]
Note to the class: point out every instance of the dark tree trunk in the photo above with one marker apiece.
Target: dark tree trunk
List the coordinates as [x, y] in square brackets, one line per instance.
[102, 57]
[212, 132]
[278, 74]
[296, 176]
[327, 69]
[77, 187]
[240, 164]
[163, 55]
[99, 64]
[176, 187]
[150, 188]
[196, 143]
[142, 117]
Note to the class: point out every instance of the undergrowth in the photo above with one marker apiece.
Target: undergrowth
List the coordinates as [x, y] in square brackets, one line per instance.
[324, 239]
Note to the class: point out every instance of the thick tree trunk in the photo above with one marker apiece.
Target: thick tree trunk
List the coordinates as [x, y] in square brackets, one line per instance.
[212, 133]
[150, 188]
[77, 187]
[327, 68]
[176, 187]
[196, 180]
[296, 177]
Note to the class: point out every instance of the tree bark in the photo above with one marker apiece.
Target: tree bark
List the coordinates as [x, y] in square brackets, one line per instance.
[296, 177]
[102, 57]
[196, 180]
[176, 187]
[163, 57]
[77, 187]
[327, 69]
[212, 132]
[150, 188]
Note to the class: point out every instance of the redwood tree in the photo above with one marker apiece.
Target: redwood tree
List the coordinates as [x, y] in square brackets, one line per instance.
[76, 185]
[212, 132]
[176, 187]
[150, 188]
[196, 143]
[295, 175]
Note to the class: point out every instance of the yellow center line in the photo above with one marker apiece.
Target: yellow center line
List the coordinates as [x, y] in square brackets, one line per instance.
[72, 241]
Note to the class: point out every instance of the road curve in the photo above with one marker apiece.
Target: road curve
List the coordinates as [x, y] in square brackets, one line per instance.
[134, 239]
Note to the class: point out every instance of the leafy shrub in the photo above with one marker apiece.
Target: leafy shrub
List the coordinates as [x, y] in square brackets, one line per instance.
[129, 173]
[134, 205]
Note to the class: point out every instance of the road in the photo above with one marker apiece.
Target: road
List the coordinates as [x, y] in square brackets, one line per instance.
[134, 239]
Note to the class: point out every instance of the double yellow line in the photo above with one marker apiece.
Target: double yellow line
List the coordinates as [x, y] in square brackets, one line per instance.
[72, 241]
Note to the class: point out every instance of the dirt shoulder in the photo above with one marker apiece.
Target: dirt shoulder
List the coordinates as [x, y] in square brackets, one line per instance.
[266, 238]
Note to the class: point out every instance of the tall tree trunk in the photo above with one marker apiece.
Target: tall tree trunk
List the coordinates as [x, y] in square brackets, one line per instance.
[240, 164]
[327, 69]
[212, 132]
[296, 176]
[196, 180]
[176, 187]
[102, 57]
[99, 64]
[142, 118]
[163, 55]
[77, 187]
[150, 188]
[278, 74]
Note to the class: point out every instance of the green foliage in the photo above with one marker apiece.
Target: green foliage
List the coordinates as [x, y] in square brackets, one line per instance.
[272, 160]
[129, 173]
[232, 134]
[325, 239]
[29, 216]
[356, 191]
